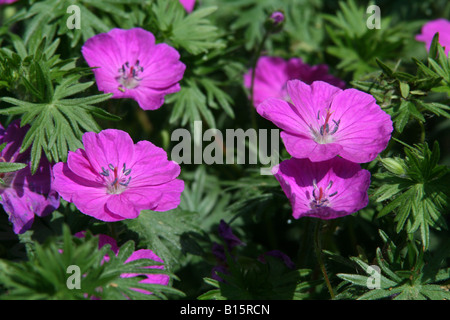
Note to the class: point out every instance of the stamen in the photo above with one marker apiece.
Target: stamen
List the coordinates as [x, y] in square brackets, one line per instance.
[125, 184]
[329, 185]
[129, 76]
[111, 166]
[336, 127]
[104, 172]
[333, 194]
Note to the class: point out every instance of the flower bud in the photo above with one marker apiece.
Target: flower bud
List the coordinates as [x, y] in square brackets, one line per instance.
[275, 22]
[394, 166]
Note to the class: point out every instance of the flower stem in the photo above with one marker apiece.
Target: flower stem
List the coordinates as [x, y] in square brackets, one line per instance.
[318, 248]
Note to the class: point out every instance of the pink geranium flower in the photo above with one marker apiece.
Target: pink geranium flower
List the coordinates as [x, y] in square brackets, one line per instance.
[326, 190]
[22, 194]
[431, 28]
[112, 178]
[188, 5]
[131, 65]
[7, 1]
[161, 279]
[272, 74]
[324, 121]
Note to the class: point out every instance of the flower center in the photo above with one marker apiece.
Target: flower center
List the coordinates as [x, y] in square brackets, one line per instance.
[128, 77]
[320, 197]
[323, 134]
[116, 182]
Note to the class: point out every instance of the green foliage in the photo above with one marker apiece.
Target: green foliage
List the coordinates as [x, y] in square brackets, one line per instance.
[418, 189]
[193, 32]
[47, 274]
[407, 273]
[57, 12]
[43, 83]
[407, 96]
[251, 279]
[356, 46]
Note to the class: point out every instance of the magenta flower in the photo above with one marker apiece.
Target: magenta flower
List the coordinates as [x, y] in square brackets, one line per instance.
[112, 178]
[7, 1]
[324, 121]
[188, 5]
[327, 190]
[22, 194]
[429, 30]
[272, 74]
[131, 65]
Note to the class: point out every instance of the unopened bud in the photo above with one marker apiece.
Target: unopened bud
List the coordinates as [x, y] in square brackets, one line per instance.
[394, 165]
[275, 22]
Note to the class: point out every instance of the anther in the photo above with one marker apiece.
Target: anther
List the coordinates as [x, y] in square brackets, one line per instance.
[104, 172]
[125, 184]
[329, 185]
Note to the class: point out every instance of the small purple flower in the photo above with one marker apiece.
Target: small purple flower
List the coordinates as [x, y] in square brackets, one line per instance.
[7, 1]
[231, 240]
[277, 17]
[188, 5]
[273, 73]
[218, 250]
[327, 190]
[113, 179]
[131, 65]
[22, 194]
[431, 28]
[324, 121]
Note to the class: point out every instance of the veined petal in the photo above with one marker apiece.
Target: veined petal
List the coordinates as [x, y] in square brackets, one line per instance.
[284, 115]
[309, 100]
[110, 146]
[151, 167]
[120, 205]
[304, 147]
[163, 68]
[326, 190]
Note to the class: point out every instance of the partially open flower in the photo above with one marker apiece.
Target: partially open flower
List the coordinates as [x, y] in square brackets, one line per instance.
[273, 73]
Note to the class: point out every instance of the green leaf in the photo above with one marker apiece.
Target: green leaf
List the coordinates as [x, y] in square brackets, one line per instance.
[11, 166]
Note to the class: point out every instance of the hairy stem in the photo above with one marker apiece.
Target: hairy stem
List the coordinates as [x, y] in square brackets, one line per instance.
[318, 248]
